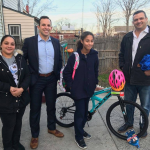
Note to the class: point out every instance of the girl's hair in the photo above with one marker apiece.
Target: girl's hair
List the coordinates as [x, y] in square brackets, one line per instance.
[5, 36]
[83, 36]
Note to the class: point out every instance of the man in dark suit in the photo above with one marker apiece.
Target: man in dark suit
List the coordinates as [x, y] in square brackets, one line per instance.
[44, 57]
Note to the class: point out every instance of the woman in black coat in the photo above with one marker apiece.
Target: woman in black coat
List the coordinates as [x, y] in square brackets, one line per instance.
[14, 81]
[84, 83]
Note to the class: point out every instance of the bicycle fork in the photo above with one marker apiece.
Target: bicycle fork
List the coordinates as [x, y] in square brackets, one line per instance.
[122, 106]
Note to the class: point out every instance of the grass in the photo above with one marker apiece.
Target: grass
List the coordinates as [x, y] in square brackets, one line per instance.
[103, 80]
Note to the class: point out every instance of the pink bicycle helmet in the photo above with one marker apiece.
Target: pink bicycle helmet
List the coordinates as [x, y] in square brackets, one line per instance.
[117, 80]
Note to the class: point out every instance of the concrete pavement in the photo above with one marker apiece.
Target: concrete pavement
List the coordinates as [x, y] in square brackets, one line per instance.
[102, 138]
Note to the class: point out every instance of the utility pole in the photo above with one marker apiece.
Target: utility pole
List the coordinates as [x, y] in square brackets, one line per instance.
[82, 17]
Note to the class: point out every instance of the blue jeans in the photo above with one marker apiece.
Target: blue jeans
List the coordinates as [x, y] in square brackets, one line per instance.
[131, 92]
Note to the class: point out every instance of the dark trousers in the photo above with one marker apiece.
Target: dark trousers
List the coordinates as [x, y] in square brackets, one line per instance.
[48, 85]
[80, 117]
[11, 129]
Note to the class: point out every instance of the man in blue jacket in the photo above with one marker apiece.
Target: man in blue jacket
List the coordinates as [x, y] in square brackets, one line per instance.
[44, 57]
[134, 46]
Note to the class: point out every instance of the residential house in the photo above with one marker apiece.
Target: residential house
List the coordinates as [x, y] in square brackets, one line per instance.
[16, 21]
[67, 32]
[121, 29]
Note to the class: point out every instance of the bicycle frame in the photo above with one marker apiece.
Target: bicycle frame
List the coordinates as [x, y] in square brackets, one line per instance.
[100, 100]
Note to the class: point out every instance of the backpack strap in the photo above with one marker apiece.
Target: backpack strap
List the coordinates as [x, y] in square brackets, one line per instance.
[76, 64]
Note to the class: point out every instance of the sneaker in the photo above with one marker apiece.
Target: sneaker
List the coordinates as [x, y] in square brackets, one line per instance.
[124, 128]
[144, 135]
[81, 144]
[86, 135]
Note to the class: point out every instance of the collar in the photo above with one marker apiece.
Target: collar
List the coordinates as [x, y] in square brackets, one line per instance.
[146, 30]
[40, 39]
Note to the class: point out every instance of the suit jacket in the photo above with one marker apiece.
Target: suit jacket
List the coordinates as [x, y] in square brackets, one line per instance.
[30, 49]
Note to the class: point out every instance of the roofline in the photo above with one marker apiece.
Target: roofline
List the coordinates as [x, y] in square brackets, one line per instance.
[21, 12]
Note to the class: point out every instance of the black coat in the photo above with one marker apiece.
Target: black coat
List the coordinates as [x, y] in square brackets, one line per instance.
[133, 74]
[9, 103]
[30, 50]
[86, 75]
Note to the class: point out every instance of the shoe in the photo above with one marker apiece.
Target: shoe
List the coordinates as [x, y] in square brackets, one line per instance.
[144, 135]
[124, 128]
[34, 143]
[19, 147]
[81, 143]
[56, 133]
[86, 135]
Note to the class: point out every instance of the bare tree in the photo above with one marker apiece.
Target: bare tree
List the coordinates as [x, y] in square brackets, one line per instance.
[105, 12]
[91, 27]
[129, 6]
[38, 7]
[61, 22]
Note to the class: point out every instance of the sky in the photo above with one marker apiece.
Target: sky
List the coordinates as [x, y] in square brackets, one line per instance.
[72, 10]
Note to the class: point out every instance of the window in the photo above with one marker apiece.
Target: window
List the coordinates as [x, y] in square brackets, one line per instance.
[14, 30]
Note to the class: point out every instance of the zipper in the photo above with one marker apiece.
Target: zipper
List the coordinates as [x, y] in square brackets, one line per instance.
[5, 65]
[20, 72]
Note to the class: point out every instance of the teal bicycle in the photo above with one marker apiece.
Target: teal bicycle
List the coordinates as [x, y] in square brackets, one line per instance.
[116, 114]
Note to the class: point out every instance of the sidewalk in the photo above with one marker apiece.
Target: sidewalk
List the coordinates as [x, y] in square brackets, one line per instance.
[101, 139]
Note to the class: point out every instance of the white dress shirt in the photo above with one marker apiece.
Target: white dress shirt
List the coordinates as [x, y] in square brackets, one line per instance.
[136, 41]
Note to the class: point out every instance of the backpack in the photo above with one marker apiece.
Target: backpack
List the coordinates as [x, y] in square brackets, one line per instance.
[62, 85]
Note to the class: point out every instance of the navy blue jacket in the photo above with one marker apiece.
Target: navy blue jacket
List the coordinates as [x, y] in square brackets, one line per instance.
[86, 76]
[30, 50]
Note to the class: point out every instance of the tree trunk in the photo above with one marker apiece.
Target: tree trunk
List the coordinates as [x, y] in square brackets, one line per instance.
[127, 24]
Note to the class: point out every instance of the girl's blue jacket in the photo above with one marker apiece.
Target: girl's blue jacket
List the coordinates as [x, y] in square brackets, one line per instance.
[86, 75]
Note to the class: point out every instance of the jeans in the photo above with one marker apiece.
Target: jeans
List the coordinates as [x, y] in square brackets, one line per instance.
[131, 92]
[11, 129]
[80, 117]
[48, 85]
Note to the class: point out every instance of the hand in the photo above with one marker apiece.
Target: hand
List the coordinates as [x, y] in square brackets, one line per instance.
[18, 92]
[13, 89]
[147, 72]
[99, 88]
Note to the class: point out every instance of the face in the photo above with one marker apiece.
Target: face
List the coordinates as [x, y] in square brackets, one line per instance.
[88, 42]
[45, 27]
[140, 21]
[8, 46]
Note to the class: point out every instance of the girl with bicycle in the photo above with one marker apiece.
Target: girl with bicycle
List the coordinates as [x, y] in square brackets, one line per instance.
[84, 83]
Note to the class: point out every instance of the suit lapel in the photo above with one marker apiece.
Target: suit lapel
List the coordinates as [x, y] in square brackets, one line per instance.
[35, 44]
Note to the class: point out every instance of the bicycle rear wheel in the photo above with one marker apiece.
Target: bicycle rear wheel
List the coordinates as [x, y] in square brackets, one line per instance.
[65, 109]
[115, 118]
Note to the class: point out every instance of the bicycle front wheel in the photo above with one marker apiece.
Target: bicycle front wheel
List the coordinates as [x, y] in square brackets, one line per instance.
[65, 109]
[115, 118]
